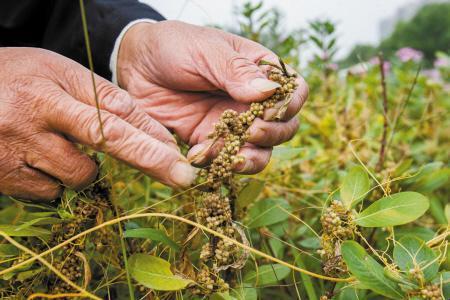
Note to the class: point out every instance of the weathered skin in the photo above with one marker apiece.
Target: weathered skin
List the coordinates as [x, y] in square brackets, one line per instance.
[176, 69]
[179, 76]
[47, 99]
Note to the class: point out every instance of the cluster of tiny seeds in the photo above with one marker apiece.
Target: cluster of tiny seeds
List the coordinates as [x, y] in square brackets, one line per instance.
[338, 221]
[209, 282]
[72, 268]
[430, 292]
[232, 128]
[416, 273]
[84, 217]
[215, 209]
[215, 213]
[338, 225]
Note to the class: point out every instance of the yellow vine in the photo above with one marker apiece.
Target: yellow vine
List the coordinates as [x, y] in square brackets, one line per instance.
[181, 219]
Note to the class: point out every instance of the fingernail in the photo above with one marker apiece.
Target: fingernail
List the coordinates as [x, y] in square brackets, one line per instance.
[246, 166]
[183, 174]
[197, 154]
[264, 85]
[255, 134]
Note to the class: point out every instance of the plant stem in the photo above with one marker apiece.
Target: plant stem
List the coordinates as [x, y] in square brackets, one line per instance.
[184, 220]
[385, 114]
[91, 65]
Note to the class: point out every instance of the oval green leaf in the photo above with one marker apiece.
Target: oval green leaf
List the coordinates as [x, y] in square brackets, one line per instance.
[244, 292]
[154, 272]
[267, 274]
[410, 251]
[396, 209]
[250, 192]
[152, 234]
[368, 271]
[13, 230]
[355, 186]
[267, 212]
[433, 181]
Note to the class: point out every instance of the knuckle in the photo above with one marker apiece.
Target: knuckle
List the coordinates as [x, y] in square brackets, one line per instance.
[238, 66]
[116, 101]
[113, 130]
[95, 137]
[84, 174]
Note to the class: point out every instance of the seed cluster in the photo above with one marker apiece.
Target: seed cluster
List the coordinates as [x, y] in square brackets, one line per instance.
[232, 129]
[429, 292]
[85, 214]
[338, 225]
[215, 209]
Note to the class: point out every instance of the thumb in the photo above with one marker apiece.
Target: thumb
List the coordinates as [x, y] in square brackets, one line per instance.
[243, 80]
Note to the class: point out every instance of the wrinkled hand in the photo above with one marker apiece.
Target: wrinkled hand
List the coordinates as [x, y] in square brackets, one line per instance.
[47, 100]
[185, 76]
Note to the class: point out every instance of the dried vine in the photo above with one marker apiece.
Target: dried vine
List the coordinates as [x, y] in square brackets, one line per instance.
[216, 201]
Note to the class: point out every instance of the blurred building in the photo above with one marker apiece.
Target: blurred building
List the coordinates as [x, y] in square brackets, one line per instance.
[404, 13]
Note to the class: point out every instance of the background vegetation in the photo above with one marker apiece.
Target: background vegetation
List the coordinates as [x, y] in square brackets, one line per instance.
[359, 195]
[428, 31]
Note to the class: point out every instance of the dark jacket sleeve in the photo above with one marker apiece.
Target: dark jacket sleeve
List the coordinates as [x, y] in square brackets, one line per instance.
[56, 25]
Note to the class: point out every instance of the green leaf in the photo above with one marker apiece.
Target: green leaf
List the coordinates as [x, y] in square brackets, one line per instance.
[221, 296]
[316, 41]
[8, 250]
[244, 292]
[410, 251]
[267, 212]
[22, 276]
[422, 233]
[154, 272]
[250, 192]
[286, 153]
[350, 293]
[368, 271]
[152, 234]
[267, 274]
[437, 210]
[13, 230]
[38, 221]
[396, 209]
[310, 243]
[354, 186]
[432, 181]
[447, 213]
[444, 279]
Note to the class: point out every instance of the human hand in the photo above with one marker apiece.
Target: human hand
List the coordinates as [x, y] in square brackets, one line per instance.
[47, 101]
[177, 71]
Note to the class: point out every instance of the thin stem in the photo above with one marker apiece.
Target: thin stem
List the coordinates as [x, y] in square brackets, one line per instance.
[91, 65]
[402, 108]
[122, 242]
[36, 256]
[184, 220]
[385, 114]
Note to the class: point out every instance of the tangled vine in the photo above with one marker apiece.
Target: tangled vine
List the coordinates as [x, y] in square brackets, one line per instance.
[216, 201]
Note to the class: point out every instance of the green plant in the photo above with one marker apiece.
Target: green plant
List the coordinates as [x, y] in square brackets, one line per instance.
[322, 221]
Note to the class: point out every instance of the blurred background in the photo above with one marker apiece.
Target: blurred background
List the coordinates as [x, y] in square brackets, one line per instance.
[361, 27]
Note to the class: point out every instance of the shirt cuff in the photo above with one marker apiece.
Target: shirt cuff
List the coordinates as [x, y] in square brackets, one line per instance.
[115, 52]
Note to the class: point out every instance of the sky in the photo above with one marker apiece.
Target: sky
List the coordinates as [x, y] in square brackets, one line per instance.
[358, 20]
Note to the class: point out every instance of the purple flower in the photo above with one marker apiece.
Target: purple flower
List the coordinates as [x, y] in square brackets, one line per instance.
[332, 66]
[441, 62]
[409, 54]
[433, 75]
